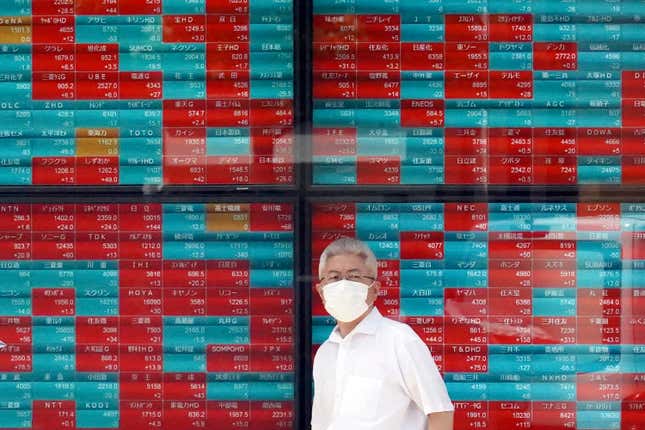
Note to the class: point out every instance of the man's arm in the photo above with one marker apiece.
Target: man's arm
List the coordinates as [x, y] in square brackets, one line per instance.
[440, 421]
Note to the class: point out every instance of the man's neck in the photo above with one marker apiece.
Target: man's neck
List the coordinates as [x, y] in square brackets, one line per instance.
[345, 328]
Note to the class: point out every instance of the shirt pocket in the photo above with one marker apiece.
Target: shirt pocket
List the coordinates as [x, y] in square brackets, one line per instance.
[361, 396]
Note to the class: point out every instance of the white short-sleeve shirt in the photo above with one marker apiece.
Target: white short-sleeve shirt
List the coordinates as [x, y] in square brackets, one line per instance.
[380, 376]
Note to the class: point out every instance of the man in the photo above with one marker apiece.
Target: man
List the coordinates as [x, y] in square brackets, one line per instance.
[372, 373]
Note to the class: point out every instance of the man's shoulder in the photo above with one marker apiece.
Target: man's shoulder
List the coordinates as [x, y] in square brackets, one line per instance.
[397, 331]
[326, 347]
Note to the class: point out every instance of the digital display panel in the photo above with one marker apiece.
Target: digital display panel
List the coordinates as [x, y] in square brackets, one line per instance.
[501, 92]
[534, 312]
[127, 92]
[146, 316]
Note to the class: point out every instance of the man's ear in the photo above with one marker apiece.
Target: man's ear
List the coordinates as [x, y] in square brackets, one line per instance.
[318, 287]
[377, 286]
[372, 296]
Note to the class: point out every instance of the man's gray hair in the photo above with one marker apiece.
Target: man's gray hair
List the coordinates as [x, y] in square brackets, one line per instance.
[349, 246]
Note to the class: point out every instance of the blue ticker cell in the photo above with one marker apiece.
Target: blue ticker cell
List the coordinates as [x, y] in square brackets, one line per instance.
[510, 6]
[426, 149]
[599, 174]
[392, 146]
[16, 151]
[421, 29]
[599, 254]
[184, 250]
[600, 278]
[385, 250]
[102, 29]
[16, 391]
[267, 9]
[228, 145]
[184, 6]
[422, 174]
[510, 56]
[467, 391]
[141, 29]
[271, 37]
[466, 118]
[97, 418]
[18, 62]
[426, 220]
[271, 89]
[469, 7]
[130, 175]
[226, 251]
[15, 306]
[595, 415]
[15, 175]
[331, 117]
[383, 7]
[16, 7]
[422, 7]
[600, 361]
[15, 91]
[238, 333]
[184, 362]
[253, 391]
[518, 365]
[421, 306]
[387, 223]
[553, 391]
[461, 277]
[634, 276]
[555, 364]
[271, 278]
[184, 89]
[136, 61]
[271, 62]
[508, 391]
[54, 390]
[595, 32]
[334, 173]
[16, 418]
[554, 7]
[506, 118]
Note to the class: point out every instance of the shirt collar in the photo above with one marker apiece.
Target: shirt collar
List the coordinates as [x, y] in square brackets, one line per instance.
[368, 326]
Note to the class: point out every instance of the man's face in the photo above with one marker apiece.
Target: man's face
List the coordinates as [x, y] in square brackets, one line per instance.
[348, 266]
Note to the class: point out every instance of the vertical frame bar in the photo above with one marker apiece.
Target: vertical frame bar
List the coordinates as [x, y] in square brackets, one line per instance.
[303, 104]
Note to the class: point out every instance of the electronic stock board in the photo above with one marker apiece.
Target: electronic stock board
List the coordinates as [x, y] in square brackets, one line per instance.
[128, 92]
[472, 92]
[146, 316]
[179, 315]
[534, 312]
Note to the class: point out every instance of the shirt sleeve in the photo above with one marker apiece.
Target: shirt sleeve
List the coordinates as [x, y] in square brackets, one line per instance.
[421, 378]
[316, 410]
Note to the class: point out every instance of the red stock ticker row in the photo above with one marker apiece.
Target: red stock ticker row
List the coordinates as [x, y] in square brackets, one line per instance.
[174, 414]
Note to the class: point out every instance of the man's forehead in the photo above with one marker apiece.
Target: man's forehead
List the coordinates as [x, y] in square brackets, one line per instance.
[344, 263]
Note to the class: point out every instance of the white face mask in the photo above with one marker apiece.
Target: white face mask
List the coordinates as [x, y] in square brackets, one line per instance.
[345, 300]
